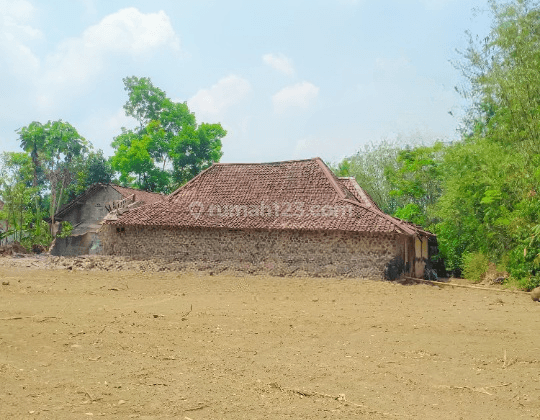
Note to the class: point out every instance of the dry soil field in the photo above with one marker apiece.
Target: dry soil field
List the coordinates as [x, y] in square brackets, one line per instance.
[78, 344]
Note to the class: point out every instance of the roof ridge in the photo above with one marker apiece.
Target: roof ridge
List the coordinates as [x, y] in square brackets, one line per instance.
[131, 188]
[307, 180]
[177, 191]
[415, 228]
[265, 163]
[361, 192]
[396, 222]
[331, 177]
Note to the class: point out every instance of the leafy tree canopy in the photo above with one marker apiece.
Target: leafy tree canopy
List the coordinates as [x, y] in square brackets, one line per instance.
[169, 147]
[56, 149]
[480, 194]
[94, 168]
[372, 166]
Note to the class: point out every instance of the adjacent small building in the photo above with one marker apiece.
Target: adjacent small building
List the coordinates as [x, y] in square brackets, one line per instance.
[296, 215]
[87, 211]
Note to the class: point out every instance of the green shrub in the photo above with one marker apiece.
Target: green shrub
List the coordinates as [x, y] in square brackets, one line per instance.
[65, 230]
[524, 266]
[504, 263]
[529, 283]
[474, 265]
[36, 234]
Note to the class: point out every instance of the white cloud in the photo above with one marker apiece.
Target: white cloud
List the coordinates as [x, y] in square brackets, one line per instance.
[280, 63]
[15, 33]
[214, 102]
[79, 60]
[16, 9]
[299, 95]
[89, 6]
[131, 31]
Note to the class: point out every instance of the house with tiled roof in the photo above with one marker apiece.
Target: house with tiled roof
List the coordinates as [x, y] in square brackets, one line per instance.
[87, 211]
[296, 215]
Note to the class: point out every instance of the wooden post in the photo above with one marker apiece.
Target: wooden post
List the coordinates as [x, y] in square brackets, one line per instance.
[407, 255]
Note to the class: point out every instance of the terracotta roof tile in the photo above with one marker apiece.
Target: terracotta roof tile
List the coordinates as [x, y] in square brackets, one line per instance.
[301, 195]
[145, 196]
[351, 185]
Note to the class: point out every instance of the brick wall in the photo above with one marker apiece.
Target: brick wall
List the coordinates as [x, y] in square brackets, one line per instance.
[282, 252]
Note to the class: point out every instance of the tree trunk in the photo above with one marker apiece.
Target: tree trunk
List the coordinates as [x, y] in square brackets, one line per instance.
[52, 180]
[60, 198]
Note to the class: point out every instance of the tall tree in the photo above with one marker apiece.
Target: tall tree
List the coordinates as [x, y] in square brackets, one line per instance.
[489, 202]
[97, 169]
[370, 167]
[94, 168]
[17, 166]
[145, 101]
[195, 150]
[132, 157]
[54, 147]
[416, 181]
[169, 145]
[63, 145]
[16, 174]
[504, 77]
[17, 210]
[33, 139]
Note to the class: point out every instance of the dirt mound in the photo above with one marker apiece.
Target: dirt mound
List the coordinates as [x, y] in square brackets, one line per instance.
[105, 263]
[493, 276]
[535, 294]
[11, 249]
[113, 263]
[38, 249]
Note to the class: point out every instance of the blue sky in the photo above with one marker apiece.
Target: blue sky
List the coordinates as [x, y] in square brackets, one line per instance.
[286, 79]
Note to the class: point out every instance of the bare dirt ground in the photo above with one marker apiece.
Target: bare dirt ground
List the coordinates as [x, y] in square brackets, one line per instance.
[78, 344]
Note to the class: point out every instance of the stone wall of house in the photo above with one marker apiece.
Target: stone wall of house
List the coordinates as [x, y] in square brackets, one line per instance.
[279, 252]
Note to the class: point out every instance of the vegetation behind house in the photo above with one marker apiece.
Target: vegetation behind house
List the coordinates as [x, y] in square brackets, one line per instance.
[56, 163]
[478, 194]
